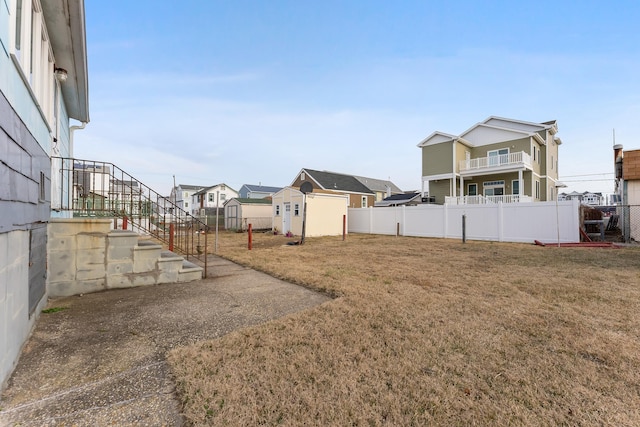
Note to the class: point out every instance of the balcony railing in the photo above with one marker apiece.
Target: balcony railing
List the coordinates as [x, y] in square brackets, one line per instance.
[519, 158]
[90, 188]
[483, 200]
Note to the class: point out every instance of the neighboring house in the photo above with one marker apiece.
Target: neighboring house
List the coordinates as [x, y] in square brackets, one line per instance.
[240, 212]
[496, 160]
[593, 199]
[182, 195]
[211, 198]
[380, 187]
[43, 84]
[360, 196]
[627, 170]
[408, 199]
[326, 212]
[248, 191]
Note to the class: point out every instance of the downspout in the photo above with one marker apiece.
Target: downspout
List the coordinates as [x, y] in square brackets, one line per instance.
[72, 129]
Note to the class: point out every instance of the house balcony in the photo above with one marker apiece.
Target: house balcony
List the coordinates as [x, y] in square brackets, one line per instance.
[484, 200]
[495, 164]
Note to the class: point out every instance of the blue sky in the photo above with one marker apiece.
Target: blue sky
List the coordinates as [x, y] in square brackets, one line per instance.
[252, 91]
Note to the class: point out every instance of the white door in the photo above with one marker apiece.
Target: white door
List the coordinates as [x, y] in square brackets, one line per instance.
[286, 218]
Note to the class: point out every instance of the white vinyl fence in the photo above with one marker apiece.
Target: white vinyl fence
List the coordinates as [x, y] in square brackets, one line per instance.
[502, 222]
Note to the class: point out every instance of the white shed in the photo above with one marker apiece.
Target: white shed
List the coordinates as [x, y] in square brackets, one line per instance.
[239, 213]
[325, 212]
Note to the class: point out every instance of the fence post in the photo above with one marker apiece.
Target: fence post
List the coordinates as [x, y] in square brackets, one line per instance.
[344, 227]
[125, 221]
[250, 236]
[464, 228]
[171, 233]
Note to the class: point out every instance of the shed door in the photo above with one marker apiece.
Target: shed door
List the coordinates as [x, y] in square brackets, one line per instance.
[286, 218]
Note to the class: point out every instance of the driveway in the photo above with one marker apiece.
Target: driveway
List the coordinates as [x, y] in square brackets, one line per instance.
[102, 359]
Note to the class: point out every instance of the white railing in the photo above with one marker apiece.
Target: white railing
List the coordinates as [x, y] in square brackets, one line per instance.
[483, 200]
[519, 158]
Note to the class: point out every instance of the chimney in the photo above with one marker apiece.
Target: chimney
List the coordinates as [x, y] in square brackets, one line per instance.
[617, 158]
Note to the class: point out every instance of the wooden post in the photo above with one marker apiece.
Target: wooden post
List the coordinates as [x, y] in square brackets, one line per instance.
[250, 232]
[397, 229]
[344, 227]
[464, 228]
[125, 221]
[172, 229]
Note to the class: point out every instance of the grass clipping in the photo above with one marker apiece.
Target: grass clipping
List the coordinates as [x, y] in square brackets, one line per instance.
[428, 331]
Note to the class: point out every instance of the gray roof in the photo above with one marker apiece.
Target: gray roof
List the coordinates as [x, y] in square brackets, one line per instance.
[245, 201]
[378, 184]
[262, 188]
[190, 187]
[337, 181]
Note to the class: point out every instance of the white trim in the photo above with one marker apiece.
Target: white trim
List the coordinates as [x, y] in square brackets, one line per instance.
[439, 176]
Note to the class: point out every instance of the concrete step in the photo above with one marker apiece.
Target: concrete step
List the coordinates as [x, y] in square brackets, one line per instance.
[190, 272]
[145, 256]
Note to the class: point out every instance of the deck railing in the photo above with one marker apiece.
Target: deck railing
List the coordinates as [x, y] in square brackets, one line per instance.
[482, 200]
[90, 188]
[517, 158]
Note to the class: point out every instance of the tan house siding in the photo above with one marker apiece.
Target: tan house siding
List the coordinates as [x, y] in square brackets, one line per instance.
[631, 164]
[440, 189]
[437, 159]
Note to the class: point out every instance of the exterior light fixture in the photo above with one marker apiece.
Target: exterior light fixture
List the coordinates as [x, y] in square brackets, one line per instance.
[61, 74]
[557, 186]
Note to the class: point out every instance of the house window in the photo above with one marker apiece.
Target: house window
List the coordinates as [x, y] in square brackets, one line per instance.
[186, 204]
[296, 209]
[223, 197]
[552, 161]
[185, 194]
[493, 188]
[212, 197]
[533, 149]
[223, 187]
[302, 176]
[364, 201]
[498, 157]
[277, 210]
[472, 189]
[538, 150]
[515, 185]
[31, 52]
[537, 189]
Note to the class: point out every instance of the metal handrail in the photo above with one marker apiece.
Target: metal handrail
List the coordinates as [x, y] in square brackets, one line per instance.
[90, 188]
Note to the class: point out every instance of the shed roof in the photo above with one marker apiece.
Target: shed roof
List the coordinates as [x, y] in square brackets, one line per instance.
[337, 181]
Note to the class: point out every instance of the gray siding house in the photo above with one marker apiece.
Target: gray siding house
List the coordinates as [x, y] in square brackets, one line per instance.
[43, 84]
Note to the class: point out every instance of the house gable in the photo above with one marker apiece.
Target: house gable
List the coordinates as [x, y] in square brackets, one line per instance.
[437, 138]
[482, 134]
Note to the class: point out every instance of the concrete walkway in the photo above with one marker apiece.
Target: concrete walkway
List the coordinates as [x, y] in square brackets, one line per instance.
[102, 360]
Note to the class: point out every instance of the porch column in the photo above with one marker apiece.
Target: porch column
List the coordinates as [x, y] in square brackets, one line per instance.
[453, 185]
[461, 186]
[520, 185]
[425, 186]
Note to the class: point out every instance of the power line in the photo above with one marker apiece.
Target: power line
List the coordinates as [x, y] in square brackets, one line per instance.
[588, 174]
[586, 180]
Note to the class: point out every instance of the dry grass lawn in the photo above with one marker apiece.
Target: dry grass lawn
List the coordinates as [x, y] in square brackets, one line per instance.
[428, 332]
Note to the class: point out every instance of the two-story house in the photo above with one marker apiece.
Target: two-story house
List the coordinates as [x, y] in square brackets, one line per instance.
[182, 195]
[497, 160]
[212, 197]
[250, 191]
[43, 85]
